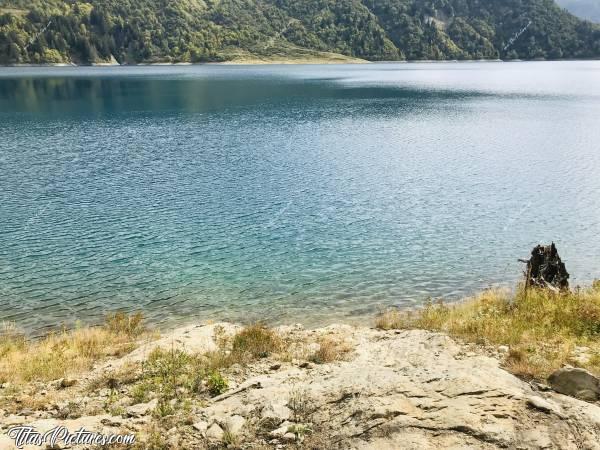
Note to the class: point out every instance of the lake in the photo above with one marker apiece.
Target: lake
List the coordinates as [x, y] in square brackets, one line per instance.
[289, 193]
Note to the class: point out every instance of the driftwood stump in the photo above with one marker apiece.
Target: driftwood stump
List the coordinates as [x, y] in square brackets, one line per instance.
[545, 269]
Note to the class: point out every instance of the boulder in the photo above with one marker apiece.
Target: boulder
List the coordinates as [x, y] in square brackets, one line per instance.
[277, 412]
[201, 426]
[234, 424]
[575, 382]
[141, 409]
[215, 432]
[289, 437]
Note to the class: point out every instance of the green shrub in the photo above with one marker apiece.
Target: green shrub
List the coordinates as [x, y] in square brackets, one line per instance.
[216, 383]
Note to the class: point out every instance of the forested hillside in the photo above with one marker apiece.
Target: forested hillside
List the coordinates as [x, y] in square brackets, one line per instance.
[134, 31]
[586, 9]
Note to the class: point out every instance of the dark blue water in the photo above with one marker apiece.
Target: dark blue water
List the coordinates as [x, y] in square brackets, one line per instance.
[288, 193]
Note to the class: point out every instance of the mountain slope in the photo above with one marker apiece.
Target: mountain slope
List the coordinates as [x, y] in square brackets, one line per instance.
[133, 31]
[586, 9]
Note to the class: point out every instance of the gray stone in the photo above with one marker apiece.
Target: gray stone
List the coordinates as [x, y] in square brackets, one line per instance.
[288, 437]
[544, 405]
[539, 386]
[201, 426]
[64, 383]
[141, 409]
[412, 390]
[215, 432]
[276, 412]
[281, 431]
[234, 424]
[575, 382]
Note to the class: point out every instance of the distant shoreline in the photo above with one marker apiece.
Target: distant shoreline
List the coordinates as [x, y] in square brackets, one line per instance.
[308, 61]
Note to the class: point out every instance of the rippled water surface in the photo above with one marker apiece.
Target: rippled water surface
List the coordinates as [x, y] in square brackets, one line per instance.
[288, 193]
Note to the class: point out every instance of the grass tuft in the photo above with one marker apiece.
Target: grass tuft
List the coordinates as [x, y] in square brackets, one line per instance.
[541, 327]
[330, 350]
[64, 353]
[230, 439]
[251, 343]
[301, 404]
[255, 341]
[121, 323]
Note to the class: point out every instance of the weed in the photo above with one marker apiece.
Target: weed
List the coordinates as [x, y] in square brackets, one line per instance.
[166, 371]
[230, 439]
[300, 404]
[122, 323]
[164, 408]
[330, 349]
[300, 430]
[255, 341]
[216, 383]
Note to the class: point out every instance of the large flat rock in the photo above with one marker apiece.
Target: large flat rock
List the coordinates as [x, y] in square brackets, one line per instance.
[417, 389]
[395, 390]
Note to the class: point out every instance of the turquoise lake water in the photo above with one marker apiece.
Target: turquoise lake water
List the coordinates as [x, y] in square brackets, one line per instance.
[289, 193]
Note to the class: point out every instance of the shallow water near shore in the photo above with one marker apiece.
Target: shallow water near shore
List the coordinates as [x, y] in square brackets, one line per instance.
[288, 193]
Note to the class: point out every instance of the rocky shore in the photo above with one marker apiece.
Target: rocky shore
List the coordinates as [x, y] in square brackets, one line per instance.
[335, 387]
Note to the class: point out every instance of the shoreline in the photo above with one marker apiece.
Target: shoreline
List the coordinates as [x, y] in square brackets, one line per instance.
[308, 61]
[445, 376]
[333, 387]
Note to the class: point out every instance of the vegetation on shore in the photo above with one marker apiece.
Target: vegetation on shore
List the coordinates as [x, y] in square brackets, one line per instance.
[170, 385]
[167, 385]
[95, 31]
[543, 329]
[67, 352]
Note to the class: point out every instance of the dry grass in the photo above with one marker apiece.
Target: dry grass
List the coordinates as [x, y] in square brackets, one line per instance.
[330, 349]
[230, 439]
[301, 404]
[65, 353]
[122, 323]
[152, 439]
[255, 341]
[251, 343]
[541, 327]
[126, 374]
